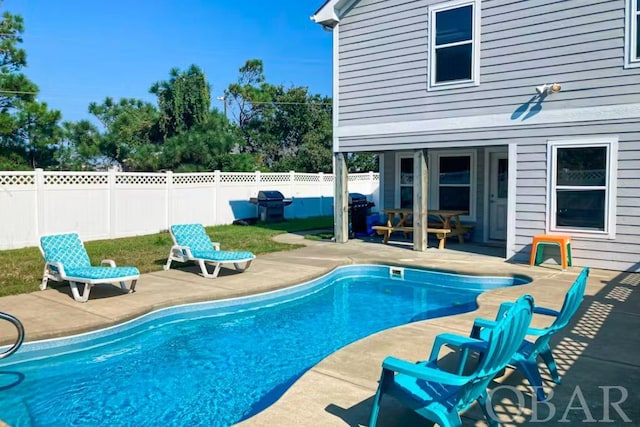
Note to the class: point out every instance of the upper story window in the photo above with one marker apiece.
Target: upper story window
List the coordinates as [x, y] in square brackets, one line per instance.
[583, 187]
[454, 44]
[632, 34]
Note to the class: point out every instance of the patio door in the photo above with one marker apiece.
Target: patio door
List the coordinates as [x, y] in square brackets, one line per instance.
[498, 184]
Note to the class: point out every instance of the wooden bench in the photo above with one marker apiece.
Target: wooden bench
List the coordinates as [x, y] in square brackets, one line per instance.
[456, 229]
[385, 230]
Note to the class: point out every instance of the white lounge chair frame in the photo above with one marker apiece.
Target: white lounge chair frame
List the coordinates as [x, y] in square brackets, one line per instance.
[183, 254]
[61, 276]
[55, 271]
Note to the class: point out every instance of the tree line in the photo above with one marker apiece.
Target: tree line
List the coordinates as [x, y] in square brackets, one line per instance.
[263, 127]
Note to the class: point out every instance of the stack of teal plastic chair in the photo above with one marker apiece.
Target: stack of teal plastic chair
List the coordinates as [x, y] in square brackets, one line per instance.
[439, 395]
[525, 359]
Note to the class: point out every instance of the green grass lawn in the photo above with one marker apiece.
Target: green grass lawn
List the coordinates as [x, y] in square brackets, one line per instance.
[21, 269]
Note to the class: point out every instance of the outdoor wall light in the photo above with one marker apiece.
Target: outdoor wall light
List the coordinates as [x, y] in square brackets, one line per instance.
[547, 89]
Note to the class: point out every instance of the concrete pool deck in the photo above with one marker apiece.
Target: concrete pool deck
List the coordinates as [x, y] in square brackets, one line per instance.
[598, 349]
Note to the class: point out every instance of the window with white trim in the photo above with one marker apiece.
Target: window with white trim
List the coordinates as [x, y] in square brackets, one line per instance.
[632, 34]
[454, 44]
[583, 187]
[454, 185]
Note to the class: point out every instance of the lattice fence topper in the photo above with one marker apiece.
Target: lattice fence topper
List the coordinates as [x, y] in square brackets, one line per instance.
[141, 178]
[275, 177]
[56, 178]
[238, 177]
[189, 178]
[137, 178]
[17, 179]
[361, 177]
[307, 177]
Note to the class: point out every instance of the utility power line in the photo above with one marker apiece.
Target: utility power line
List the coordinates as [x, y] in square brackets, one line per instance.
[18, 92]
[290, 103]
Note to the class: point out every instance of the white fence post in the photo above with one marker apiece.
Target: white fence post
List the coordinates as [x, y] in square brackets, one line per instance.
[258, 182]
[321, 183]
[216, 195]
[169, 198]
[39, 180]
[112, 203]
[371, 183]
[292, 183]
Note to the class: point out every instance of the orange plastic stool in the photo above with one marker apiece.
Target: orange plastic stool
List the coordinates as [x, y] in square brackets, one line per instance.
[564, 241]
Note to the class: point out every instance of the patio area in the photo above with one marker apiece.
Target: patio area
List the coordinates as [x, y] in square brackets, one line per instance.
[596, 352]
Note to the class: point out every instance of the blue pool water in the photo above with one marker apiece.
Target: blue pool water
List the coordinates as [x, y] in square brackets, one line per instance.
[217, 363]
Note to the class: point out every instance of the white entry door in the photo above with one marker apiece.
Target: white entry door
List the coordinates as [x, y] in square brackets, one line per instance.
[498, 177]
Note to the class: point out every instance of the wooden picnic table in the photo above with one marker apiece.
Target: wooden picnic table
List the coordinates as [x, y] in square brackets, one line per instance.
[444, 229]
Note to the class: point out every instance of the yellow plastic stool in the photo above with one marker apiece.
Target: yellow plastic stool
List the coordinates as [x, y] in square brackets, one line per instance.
[564, 241]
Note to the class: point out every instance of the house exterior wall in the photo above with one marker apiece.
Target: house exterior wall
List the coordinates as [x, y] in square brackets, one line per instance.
[383, 60]
[385, 105]
[622, 253]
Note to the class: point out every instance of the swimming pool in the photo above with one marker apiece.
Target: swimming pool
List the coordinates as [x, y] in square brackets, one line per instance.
[220, 362]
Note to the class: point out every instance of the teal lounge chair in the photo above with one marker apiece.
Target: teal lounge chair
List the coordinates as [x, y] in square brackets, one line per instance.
[66, 259]
[191, 243]
[525, 359]
[439, 395]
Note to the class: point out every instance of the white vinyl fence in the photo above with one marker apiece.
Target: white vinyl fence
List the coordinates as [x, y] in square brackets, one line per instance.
[102, 205]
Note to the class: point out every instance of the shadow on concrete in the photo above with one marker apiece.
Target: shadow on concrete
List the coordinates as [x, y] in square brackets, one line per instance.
[406, 242]
[98, 291]
[597, 358]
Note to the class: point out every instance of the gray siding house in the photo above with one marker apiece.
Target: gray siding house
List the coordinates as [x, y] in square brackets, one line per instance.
[525, 114]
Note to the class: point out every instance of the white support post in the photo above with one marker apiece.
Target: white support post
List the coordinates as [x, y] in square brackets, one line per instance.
[512, 186]
[420, 181]
[40, 212]
[341, 199]
[381, 204]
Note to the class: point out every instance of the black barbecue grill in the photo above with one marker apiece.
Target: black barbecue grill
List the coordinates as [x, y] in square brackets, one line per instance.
[359, 208]
[270, 205]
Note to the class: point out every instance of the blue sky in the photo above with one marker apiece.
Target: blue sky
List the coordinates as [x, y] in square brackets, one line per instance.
[82, 51]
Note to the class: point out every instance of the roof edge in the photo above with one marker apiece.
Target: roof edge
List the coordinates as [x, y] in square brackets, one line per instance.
[329, 14]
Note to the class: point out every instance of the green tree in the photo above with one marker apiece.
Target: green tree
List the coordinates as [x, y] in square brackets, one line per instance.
[362, 162]
[251, 99]
[240, 162]
[288, 127]
[184, 100]
[201, 148]
[80, 146]
[131, 131]
[39, 132]
[28, 129]
[15, 86]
